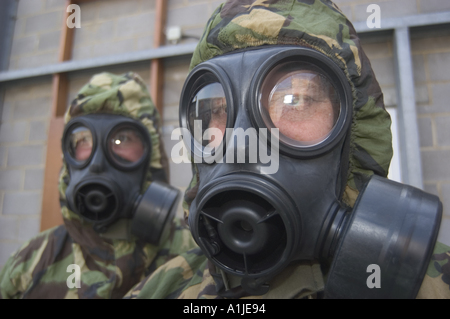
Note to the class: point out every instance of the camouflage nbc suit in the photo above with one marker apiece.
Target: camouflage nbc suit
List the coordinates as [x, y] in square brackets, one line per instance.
[320, 25]
[109, 268]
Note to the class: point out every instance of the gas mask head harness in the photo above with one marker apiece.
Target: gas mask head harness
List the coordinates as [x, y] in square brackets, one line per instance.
[252, 221]
[108, 157]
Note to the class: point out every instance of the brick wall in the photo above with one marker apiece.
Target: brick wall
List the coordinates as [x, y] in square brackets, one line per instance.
[114, 27]
[23, 139]
[36, 33]
[431, 56]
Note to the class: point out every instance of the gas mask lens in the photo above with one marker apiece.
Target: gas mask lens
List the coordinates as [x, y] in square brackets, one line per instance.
[126, 145]
[208, 113]
[301, 102]
[80, 143]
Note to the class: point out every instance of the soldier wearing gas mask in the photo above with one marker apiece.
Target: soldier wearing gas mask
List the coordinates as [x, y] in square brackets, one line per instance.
[313, 214]
[117, 207]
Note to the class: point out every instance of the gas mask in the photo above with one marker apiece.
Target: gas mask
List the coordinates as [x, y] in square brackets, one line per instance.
[252, 216]
[108, 158]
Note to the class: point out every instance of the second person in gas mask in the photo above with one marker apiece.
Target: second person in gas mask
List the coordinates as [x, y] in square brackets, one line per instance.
[117, 207]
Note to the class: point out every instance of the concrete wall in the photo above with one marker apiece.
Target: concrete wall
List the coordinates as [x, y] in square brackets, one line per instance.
[114, 27]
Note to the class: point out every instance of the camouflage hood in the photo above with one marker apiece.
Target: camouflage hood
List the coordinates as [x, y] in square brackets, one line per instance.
[320, 25]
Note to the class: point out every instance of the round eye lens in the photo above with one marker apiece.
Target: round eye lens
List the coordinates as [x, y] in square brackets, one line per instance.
[208, 115]
[301, 102]
[80, 143]
[126, 146]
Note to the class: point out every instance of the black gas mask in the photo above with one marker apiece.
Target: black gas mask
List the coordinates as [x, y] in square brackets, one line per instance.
[269, 131]
[108, 157]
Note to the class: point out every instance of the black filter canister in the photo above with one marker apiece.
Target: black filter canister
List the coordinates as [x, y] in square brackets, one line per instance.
[386, 248]
[154, 212]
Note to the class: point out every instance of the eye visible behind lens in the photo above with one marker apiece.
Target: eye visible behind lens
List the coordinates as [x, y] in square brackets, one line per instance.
[208, 110]
[301, 102]
[80, 143]
[126, 145]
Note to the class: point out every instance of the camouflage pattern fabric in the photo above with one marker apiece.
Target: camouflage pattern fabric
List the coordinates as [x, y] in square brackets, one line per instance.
[316, 24]
[436, 284]
[109, 268]
[191, 276]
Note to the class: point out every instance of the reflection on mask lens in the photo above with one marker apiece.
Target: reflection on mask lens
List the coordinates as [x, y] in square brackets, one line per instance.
[302, 104]
[126, 145]
[208, 110]
[80, 146]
